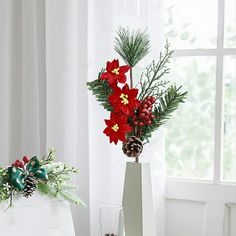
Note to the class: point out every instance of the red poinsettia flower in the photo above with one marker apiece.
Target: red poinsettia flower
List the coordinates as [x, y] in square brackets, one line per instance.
[117, 127]
[115, 73]
[124, 100]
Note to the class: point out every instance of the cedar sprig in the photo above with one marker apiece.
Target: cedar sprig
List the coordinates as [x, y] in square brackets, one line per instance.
[168, 103]
[151, 83]
[49, 158]
[132, 46]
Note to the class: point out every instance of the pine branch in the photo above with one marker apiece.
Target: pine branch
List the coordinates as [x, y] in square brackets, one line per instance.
[47, 189]
[67, 186]
[132, 46]
[151, 84]
[49, 158]
[71, 198]
[169, 102]
[101, 90]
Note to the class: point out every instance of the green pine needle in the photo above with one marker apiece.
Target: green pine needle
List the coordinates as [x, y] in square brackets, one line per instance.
[47, 189]
[67, 186]
[71, 198]
[132, 46]
[101, 90]
[169, 102]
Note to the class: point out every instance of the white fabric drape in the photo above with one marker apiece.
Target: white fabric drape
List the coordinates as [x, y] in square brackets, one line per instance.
[22, 80]
[43, 96]
[107, 162]
[45, 47]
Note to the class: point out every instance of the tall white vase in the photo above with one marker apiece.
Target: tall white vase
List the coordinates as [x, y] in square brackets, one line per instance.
[138, 200]
[38, 216]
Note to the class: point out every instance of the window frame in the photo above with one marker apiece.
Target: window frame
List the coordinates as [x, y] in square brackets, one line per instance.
[219, 52]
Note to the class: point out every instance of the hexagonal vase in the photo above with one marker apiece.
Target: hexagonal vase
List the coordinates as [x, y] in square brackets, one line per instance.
[138, 200]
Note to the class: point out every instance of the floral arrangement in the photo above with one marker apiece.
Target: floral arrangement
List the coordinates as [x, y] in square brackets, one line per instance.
[45, 175]
[135, 111]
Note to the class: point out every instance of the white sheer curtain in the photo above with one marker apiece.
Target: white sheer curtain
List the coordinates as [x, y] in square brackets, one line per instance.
[107, 162]
[45, 47]
[43, 96]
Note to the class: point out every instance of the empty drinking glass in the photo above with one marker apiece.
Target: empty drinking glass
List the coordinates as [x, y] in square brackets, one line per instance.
[111, 220]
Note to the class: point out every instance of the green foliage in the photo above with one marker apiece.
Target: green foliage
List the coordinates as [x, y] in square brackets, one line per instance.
[101, 90]
[168, 103]
[132, 46]
[47, 189]
[168, 98]
[71, 198]
[5, 188]
[49, 158]
[151, 83]
[57, 185]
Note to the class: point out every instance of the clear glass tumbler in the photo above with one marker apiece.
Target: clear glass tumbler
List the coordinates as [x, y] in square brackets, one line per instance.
[111, 220]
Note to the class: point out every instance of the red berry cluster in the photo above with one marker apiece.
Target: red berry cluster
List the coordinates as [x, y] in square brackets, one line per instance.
[21, 164]
[144, 114]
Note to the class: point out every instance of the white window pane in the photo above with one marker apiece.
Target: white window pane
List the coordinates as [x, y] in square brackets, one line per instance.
[190, 132]
[191, 23]
[230, 23]
[229, 158]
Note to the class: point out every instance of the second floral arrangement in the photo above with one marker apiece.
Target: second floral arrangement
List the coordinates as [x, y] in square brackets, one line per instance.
[45, 175]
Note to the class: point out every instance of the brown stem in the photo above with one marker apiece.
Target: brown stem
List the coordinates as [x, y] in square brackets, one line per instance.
[131, 77]
[135, 130]
[131, 86]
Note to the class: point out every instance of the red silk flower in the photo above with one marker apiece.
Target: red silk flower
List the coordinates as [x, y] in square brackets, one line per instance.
[115, 73]
[124, 100]
[117, 128]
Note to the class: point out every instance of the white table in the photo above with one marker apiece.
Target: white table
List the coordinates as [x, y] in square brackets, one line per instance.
[37, 216]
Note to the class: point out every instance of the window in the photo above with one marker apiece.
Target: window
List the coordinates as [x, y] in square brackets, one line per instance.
[201, 137]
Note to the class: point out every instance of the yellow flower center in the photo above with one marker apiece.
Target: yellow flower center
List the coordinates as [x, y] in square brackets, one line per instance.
[116, 71]
[124, 99]
[115, 127]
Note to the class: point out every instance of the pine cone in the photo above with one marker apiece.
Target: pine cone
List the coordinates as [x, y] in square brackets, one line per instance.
[30, 186]
[132, 147]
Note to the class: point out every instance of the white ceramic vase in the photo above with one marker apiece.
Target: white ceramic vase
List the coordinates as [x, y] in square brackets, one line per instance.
[138, 200]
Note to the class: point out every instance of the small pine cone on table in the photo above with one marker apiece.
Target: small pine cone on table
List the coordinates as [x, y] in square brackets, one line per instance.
[132, 147]
[30, 186]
